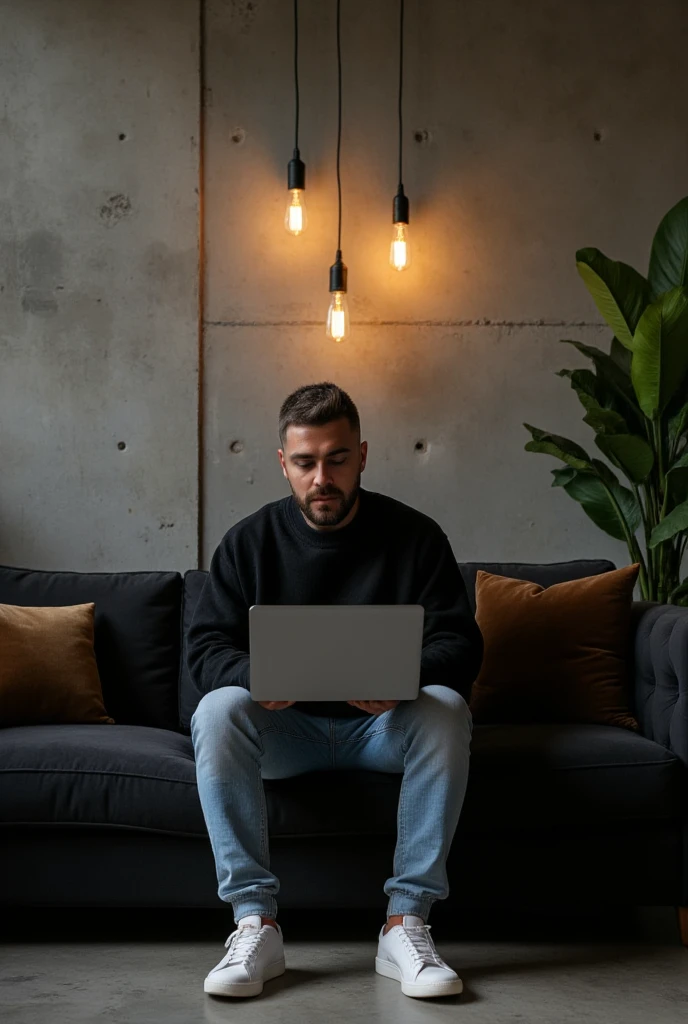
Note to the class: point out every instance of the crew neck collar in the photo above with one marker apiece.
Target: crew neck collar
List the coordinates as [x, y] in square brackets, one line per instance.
[327, 538]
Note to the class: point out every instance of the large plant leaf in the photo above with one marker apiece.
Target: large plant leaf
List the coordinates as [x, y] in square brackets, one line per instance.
[630, 453]
[669, 256]
[678, 424]
[677, 480]
[563, 476]
[608, 370]
[598, 401]
[660, 352]
[675, 522]
[588, 489]
[603, 421]
[560, 447]
[620, 292]
[605, 473]
[621, 355]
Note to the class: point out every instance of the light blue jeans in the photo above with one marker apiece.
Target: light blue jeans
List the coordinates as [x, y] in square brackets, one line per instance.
[237, 743]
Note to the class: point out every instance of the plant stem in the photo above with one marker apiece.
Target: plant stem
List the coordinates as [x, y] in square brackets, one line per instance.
[631, 542]
[662, 496]
[649, 551]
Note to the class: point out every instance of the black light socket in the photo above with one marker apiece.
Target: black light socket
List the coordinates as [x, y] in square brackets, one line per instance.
[338, 274]
[296, 172]
[400, 211]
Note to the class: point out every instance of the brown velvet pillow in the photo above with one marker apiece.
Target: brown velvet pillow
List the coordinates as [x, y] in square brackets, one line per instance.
[557, 654]
[48, 670]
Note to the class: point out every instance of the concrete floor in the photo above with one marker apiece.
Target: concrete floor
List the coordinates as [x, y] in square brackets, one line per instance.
[62, 966]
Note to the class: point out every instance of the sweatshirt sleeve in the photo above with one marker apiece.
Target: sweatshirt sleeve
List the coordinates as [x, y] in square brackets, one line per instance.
[218, 640]
[452, 642]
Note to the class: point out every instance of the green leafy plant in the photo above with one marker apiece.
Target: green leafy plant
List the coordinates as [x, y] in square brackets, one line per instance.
[636, 401]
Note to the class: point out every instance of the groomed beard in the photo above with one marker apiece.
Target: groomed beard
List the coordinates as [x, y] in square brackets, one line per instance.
[329, 516]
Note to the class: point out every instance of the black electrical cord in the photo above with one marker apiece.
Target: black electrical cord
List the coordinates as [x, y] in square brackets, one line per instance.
[400, 206]
[401, 82]
[339, 121]
[296, 72]
[296, 170]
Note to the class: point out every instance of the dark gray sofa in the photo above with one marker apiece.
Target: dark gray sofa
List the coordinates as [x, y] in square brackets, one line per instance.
[109, 815]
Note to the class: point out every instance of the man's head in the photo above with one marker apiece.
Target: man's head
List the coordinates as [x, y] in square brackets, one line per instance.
[322, 454]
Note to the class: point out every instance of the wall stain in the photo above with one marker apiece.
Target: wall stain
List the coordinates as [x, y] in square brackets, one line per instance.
[39, 302]
[245, 13]
[40, 260]
[115, 209]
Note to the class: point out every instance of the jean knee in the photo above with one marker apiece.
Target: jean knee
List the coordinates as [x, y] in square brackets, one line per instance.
[447, 707]
[224, 703]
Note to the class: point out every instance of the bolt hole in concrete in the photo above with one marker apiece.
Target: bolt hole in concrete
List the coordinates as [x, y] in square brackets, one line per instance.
[122, 136]
[599, 135]
[236, 446]
[238, 136]
[422, 135]
[421, 446]
[121, 445]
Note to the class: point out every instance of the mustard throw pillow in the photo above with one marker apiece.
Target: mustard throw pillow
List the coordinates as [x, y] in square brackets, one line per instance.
[557, 654]
[48, 670]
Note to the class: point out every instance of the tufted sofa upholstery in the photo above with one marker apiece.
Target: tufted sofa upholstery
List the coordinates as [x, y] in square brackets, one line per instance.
[97, 815]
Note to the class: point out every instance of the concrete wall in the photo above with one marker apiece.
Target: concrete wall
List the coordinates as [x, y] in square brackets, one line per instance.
[530, 130]
[98, 283]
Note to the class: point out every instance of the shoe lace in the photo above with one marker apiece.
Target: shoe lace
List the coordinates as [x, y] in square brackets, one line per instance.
[244, 944]
[421, 946]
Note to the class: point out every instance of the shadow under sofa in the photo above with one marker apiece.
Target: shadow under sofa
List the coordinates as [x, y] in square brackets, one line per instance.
[109, 815]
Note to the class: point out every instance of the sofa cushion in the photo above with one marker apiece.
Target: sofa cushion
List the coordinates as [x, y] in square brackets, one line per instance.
[521, 777]
[137, 633]
[546, 574]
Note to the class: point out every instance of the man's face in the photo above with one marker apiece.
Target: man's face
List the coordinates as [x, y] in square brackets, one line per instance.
[324, 462]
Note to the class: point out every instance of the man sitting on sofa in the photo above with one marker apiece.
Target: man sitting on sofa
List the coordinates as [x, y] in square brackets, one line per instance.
[331, 541]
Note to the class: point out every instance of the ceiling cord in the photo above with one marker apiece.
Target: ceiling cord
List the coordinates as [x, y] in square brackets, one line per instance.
[401, 81]
[296, 72]
[339, 122]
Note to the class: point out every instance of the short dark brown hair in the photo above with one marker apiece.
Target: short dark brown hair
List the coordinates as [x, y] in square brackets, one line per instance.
[313, 405]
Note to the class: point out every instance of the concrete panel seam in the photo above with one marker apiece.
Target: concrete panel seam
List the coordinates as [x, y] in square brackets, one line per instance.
[409, 323]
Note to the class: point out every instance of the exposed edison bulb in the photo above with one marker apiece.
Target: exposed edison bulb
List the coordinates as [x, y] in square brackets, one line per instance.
[295, 218]
[400, 252]
[338, 317]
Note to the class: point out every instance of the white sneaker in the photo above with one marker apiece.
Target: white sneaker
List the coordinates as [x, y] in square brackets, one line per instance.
[407, 954]
[256, 954]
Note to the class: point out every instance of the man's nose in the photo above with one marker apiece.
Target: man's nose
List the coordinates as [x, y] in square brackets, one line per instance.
[322, 476]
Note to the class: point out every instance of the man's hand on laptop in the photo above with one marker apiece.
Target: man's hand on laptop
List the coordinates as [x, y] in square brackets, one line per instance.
[375, 707]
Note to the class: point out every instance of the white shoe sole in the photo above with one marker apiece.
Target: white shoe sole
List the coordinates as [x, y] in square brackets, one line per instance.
[215, 987]
[410, 988]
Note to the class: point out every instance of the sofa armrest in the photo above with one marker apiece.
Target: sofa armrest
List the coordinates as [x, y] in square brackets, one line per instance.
[660, 674]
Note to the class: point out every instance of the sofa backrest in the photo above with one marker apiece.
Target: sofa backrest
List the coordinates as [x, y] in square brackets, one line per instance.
[545, 574]
[137, 633]
[189, 696]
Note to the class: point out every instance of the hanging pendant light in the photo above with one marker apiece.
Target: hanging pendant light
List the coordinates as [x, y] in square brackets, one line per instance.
[338, 314]
[399, 251]
[295, 220]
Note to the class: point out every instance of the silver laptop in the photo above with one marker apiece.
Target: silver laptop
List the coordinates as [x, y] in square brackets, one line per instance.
[335, 651]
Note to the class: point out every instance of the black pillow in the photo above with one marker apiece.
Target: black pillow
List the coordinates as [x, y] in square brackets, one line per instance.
[137, 633]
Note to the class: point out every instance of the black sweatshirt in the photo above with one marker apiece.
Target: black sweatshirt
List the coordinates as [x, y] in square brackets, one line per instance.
[389, 553]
